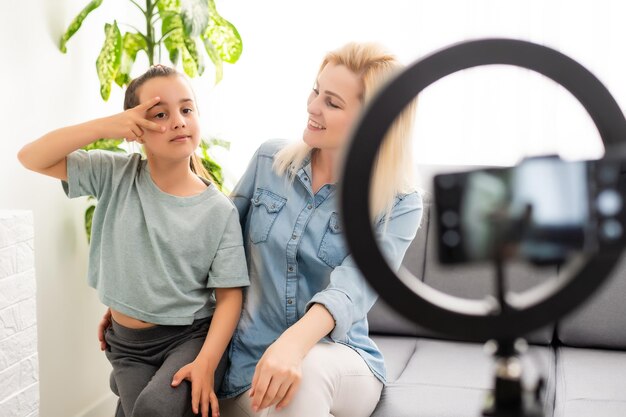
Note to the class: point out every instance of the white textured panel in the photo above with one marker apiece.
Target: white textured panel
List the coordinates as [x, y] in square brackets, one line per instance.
[17, 288]
[23, 403]
[19, 366]
[18, 347]
[15, 227]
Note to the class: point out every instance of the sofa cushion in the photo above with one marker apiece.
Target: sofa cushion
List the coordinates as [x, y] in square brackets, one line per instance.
[599, 322]
[590, 383]
[443, 378]
[472, 281]
[384, 320]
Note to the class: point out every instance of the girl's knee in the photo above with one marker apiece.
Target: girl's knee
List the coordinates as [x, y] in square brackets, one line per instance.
[152, 403]
[147, 406]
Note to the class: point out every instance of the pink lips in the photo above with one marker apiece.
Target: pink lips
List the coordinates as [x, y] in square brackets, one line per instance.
[180, 138]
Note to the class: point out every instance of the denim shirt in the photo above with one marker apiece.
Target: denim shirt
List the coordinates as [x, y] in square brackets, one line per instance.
[297, 256]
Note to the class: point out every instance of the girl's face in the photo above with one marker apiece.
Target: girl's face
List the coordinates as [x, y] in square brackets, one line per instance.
[333, 107]
[177, 112]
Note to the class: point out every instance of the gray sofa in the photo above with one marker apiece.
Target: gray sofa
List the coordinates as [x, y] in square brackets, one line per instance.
[582, 358]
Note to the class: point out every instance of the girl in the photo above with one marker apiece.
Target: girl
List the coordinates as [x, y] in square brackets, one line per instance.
[166, 253]
[301, 347]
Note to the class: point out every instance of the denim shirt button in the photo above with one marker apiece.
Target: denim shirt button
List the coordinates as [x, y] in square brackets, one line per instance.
[294, 236]
[290, 301]
[310, 206]
[290, 269]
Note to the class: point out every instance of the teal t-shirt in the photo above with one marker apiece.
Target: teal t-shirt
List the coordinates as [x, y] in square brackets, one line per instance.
[154, 256]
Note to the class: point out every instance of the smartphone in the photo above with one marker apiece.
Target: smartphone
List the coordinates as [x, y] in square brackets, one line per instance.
[541, 210]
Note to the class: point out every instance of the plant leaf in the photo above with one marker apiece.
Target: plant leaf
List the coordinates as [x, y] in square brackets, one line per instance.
[195, 15]
[215, 58]
[109, 60]
[193, 64]
[131, 44]
[77, 22]
[168, 6]
[107, 144]
[172, 25]
[223, 35]
[215, 142]
[214, 169]
[179, 44]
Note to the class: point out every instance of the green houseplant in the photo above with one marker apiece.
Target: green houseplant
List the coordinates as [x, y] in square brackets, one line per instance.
[180, 26]
[184, 28]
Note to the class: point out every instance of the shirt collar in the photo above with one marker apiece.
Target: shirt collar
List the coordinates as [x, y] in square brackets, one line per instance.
[305, 172]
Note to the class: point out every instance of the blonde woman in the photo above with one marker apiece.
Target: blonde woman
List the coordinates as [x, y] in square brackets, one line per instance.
[301, 347]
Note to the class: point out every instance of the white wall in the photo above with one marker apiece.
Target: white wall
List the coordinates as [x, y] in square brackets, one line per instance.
[487, 116]
[483, 116]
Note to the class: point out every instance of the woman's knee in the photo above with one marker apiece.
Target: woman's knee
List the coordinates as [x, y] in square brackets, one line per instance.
[315, 359]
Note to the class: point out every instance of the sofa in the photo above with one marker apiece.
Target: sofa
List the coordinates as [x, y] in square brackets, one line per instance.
[581, 359]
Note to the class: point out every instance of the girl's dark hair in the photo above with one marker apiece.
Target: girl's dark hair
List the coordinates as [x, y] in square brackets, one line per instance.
[131, 99]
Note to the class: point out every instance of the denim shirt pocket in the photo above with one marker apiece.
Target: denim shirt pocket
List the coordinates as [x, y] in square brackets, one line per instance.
[265, 208]
[333, 249]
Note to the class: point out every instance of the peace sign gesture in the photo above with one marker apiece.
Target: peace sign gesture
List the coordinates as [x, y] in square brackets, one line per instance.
[132, 123]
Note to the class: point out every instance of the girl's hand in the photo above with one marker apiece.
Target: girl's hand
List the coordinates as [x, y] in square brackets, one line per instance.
[202, 393]
[276, 377]
[105, 323]
[132, 123]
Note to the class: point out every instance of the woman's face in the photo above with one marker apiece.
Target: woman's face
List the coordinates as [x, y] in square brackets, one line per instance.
[177, 112]
[333, 106]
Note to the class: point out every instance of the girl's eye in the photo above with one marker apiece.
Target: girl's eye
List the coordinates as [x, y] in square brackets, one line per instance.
[159, 115]
[187, 111]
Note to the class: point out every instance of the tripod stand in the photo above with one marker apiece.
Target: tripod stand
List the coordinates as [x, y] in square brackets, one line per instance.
[509, 398]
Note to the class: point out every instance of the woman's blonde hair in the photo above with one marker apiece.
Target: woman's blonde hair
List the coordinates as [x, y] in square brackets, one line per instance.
[131, 99]
[394, 171]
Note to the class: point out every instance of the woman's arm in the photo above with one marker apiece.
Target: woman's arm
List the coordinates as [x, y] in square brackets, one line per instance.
[46, 155]
[277, 375]
[349, 297]
[202, 370]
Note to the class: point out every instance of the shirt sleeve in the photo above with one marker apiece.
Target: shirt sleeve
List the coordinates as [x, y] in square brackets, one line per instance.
[228, 268]
[349, 297]
[88, 172]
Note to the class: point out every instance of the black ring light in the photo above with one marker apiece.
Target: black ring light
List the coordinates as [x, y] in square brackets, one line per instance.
[458, 317]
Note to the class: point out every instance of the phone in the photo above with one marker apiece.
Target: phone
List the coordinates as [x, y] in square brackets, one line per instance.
[541, 210]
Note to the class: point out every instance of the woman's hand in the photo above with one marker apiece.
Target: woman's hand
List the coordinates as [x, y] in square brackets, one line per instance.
[277, 376]
[202, 387]
[130, 124]
[104, 324]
